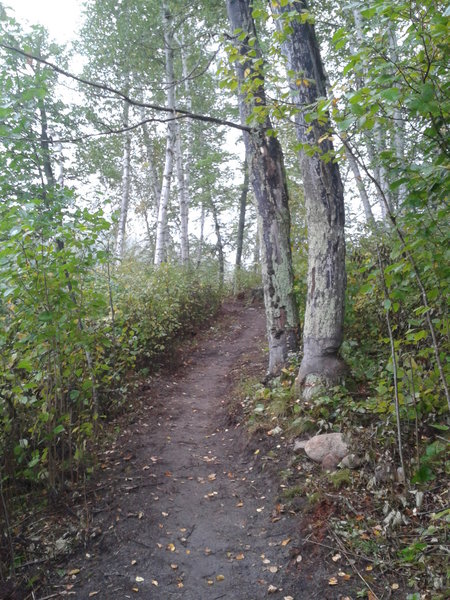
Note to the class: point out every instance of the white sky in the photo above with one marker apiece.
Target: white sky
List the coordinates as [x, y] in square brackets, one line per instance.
[62, 18]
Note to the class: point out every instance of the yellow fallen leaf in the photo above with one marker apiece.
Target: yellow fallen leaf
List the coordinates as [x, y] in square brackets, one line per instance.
[139, 579]
[171, 547]
[240, 556]
[332, 581]
[285, 542]
[395, 586]
[336, 557]
[180, 584]
[273, 569]
[239, 504]
[369, 568]
[73, 572]
[92, 594]
[155, 583]
[210, 582]
[135, 589]
[220, 577]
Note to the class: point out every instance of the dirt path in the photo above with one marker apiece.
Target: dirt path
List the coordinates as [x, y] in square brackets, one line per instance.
[181, 509]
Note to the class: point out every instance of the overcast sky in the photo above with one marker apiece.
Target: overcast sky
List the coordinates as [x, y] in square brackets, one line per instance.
[61, 17]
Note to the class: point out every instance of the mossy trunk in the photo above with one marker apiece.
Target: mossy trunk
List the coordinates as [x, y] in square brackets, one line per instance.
[325, 215]
[268, 179]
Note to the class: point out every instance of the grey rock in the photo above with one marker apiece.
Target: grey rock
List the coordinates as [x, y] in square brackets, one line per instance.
[327, 443]
[351, 461]
[330, 462]
[299, 445]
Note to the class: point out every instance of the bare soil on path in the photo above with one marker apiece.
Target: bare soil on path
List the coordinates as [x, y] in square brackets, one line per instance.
[181, 508]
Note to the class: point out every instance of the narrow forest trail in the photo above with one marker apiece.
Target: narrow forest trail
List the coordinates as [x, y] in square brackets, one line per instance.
[182, 510]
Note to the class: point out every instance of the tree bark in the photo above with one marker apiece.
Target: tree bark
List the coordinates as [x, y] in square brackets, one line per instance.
[359, 184]
[325, 214]
[202, 236]
[162, 225]
[126, 185]
[182, 197]
[219, 244]
[270, 189]
[241, 226]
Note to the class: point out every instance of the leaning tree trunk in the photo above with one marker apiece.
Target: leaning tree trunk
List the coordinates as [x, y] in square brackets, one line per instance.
[325, 215]
[270, 189]
[162, 225]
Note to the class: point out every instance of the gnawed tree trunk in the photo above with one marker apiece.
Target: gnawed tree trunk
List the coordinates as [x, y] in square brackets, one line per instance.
[162, 225]
[325, 215]
[241, 226]
[268, 180]
[126, 184]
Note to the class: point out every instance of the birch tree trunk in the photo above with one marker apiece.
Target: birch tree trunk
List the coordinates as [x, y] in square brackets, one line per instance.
[219, 244]
[360, 185]
[202, 236]
[185, 199]
[270, 189]
[241, 226]
[162, 225]
[126, 185]
[182, 198]
[325, 215]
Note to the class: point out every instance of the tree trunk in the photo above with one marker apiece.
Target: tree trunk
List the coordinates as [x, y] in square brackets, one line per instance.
[182, 198]
[219, 244]
[202, 236]
[241, 226]
[359, 184]
[126, 184]
[325, 214]
[268, 179]
[162, 225]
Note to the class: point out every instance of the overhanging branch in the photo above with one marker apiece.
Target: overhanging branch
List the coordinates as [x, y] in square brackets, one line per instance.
[179, 112]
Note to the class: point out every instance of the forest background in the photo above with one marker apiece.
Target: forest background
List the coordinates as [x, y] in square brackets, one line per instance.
[86, 301]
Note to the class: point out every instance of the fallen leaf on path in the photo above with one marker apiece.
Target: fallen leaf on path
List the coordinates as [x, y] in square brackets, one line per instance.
[164, 514]
[286, 541]
[73, 572]
[272, 589]
[171, 547]
[273, 569]
[210, 582]
[220, 577]
[240, 504]
[208, 551]
[212, 477]
[332, 581]
[395, 586]
[133, 562]
[369, 568]
[174, 566]
[299, 558]
[180, 584]
[240, 556]
[288, 598]
[135, 589]
[336, 557]
[139, 579]
[155, 583]
[92, 594]
[260, 509]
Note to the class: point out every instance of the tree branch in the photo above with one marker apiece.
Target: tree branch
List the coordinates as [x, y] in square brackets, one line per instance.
[179, 112]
